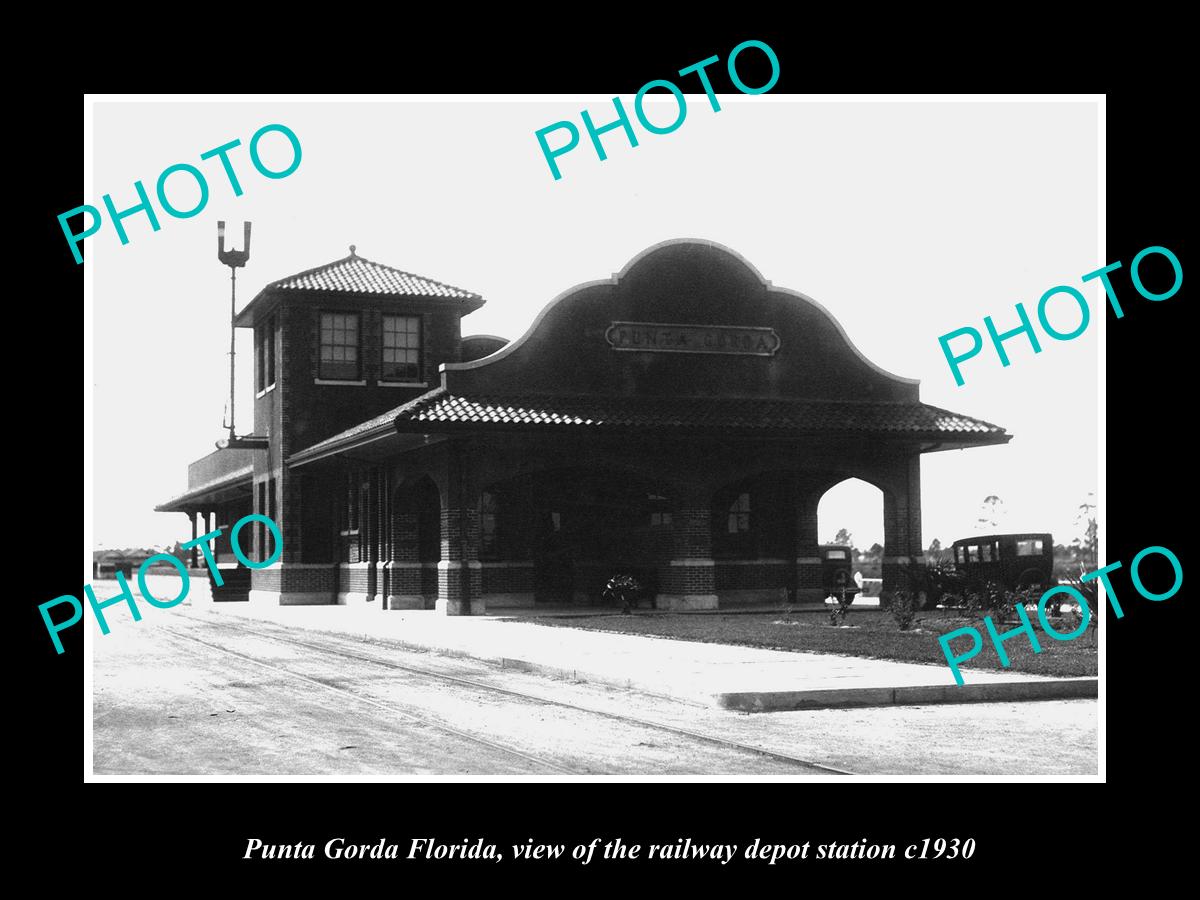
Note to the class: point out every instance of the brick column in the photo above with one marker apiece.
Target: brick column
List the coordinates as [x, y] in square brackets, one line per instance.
[460, 575]
[373, 517]
[902, 525]
[688, 580]
[288, 497]
[382, 573]
[403, 565]
[808, 553]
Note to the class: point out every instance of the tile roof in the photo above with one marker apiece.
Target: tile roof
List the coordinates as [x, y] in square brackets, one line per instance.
[383, 422]
[362, 276]
[440, 410]
[439, 407]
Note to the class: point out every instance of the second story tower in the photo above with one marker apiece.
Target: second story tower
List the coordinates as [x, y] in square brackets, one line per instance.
[338, 344]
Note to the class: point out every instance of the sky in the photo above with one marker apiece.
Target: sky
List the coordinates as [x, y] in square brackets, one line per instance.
[906, 220]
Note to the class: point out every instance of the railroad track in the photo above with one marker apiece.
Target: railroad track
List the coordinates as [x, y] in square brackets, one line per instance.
[388, 707]
[805, 764]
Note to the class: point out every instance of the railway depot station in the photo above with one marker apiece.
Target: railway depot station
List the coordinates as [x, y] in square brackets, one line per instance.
[679, 421]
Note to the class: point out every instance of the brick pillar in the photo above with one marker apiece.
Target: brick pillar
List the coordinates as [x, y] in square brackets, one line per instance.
[287, 515]
[808, 553]
[460, 575]
[902, 525]
[404, 566]
[192, 552]
[382, 577]
[688, 580]
[372, 518]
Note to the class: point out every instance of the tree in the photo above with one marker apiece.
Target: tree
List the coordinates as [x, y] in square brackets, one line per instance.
[843, 537]
[1088, 542]
[990, 512]
[876, 551]
[934, 553]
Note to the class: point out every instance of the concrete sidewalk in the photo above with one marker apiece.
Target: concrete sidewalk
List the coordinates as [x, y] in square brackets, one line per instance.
[734, 677]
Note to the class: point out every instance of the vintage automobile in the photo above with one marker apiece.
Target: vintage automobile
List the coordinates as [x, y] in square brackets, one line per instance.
[1014, 561]
[837, 572]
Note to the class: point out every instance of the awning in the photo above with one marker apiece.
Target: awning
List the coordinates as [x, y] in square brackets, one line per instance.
[228, 487]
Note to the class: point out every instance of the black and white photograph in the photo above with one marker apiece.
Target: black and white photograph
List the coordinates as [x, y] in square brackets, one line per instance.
[737, 451]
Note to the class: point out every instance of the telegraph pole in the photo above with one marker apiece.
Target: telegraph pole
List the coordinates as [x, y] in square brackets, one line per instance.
[235, 259]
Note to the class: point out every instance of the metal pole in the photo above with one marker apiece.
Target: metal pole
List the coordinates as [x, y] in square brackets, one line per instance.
[232, 335]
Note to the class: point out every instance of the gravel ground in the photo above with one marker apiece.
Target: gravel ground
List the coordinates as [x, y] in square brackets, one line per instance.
[241, 704]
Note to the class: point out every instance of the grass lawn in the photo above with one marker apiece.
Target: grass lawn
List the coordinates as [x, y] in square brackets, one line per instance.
[868, 632]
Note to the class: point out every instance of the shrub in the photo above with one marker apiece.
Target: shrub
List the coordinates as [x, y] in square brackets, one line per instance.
[837, 615]
[623, 589]
[1090, 592]
[955, 602]
[903, 609]
[987, 598]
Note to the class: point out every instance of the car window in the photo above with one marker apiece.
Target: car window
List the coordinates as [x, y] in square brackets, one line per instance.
[1029, 548]
[973, 553]
[835, 554]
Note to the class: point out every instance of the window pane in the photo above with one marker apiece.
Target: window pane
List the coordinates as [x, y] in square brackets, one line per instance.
[339, 346]
[401, 351]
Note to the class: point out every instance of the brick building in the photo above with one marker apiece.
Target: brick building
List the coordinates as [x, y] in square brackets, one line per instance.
[680, 421]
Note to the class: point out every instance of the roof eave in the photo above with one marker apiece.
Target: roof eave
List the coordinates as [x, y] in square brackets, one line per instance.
[937, 440]
[217, 491]
[336, 447]
[250, 314]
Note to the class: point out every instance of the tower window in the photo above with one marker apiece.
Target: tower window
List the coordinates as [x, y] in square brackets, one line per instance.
[401, 348]
[339, 357]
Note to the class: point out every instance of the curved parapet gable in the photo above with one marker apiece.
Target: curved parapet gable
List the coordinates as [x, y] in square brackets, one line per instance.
[686, 318]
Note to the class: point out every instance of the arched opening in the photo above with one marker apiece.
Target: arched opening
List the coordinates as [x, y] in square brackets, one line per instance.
[416, 546]
[558, 535]
[850, 514]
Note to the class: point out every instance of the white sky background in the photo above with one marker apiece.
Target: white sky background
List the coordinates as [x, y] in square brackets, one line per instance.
[905, 220]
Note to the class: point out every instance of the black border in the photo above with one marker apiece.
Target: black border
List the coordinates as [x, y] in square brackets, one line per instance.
[199, 834]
